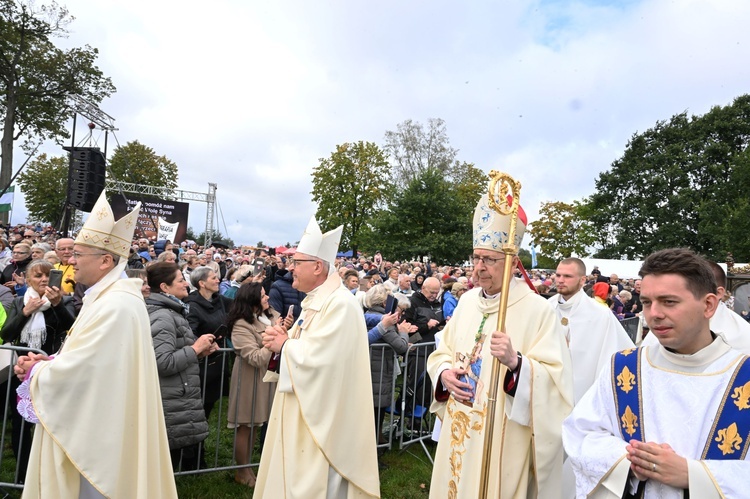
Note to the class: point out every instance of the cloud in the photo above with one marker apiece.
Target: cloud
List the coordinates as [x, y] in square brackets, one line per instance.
[250, 95]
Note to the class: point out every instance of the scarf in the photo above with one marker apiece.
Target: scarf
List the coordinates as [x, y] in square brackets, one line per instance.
[34, 332]
[185, 306]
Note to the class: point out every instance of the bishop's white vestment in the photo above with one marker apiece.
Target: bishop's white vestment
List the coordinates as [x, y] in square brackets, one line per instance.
[679, 401]
[321, 434]
[527, 447]
[593, 333]
[99, 405]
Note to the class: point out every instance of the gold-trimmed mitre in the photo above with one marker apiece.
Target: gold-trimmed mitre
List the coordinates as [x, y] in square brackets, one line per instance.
[490, 228]
[102, 232]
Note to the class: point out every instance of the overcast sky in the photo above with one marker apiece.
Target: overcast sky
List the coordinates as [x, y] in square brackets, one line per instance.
[250, 94]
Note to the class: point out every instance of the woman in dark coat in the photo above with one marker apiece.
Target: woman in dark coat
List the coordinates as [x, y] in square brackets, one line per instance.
[394, 334]
[40, 319]
[177, 356]
[208, 315]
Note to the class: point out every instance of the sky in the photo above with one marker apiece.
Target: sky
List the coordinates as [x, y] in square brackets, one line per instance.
[250, 95]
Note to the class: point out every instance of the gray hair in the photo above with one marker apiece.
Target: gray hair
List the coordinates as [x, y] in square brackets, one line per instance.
[199, 274]
[42, 246]
[376, 295]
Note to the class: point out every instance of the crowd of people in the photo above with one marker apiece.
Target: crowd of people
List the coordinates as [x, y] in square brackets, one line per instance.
[581, 411]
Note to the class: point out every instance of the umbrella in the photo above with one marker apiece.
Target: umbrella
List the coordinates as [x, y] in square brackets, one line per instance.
[289, 251]
[281, 249]
[220, 244]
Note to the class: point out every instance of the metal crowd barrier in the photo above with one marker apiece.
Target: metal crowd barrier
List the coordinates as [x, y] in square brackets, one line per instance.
[406, 420]
[631, 326]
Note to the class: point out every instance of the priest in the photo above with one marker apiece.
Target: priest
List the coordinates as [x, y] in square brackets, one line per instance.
[536, 377]
[321, 439]
[669, 420]
[100, 426]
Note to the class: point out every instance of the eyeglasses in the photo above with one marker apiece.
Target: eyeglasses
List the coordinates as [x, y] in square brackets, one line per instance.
[20, 252]
[65, 250]
[486, 260]
[294, 261]
[78, 255]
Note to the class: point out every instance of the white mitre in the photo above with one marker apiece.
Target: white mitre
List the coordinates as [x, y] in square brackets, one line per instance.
[323, 246]
[491, 229]
[102, 232]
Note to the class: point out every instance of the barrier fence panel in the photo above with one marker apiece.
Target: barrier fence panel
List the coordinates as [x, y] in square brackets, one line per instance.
[384, 369]
[631, 327]
[415, 398]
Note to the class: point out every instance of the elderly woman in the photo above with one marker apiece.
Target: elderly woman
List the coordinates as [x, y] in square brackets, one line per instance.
[208, 315]
[391, 331]
[39, 319]
[38, 250]
[249, 397]
[177, 356]
[451, 297]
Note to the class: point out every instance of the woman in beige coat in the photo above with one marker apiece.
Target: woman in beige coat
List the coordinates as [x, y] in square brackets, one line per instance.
[249, 397]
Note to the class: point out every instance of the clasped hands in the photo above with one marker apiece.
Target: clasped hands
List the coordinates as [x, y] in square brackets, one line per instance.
[26, 362]
[649, 460]
[276, 335]
[500, 347]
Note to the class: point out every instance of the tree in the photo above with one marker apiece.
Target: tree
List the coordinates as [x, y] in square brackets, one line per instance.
[36, 77]
[139, 164]
[680, 183]
[45, 184]
[348, 187]
[415, 150]
[424, 219]
[561, 231]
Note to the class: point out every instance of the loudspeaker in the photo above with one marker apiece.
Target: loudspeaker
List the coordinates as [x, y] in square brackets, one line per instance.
[86, 177]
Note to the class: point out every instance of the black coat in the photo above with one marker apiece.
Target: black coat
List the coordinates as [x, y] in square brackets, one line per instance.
[58, 320]
[208, 317]
[420, 313]
[14, 267]
[282, 295]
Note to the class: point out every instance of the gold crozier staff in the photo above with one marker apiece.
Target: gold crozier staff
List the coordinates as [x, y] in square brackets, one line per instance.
[503, 189]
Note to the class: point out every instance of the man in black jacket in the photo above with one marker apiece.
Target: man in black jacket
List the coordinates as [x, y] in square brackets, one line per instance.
[426, 311]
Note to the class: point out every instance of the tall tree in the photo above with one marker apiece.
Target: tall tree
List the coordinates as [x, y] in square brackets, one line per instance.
[561, 231]
[36, 77]
[139, 164]
[348, 187]
[415, 150]
[45, 184]
[680, 183]
[424, 219]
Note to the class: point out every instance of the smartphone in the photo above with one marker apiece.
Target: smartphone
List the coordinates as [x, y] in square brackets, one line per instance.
[55, 278]
[258, 266]
[290, 313]
[391, 305]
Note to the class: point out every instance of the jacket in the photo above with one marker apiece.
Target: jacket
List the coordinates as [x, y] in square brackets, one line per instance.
[282, 295]
[381, 356]
[177, 364]
[57, 319]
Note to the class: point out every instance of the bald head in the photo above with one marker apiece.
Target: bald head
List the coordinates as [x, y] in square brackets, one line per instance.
[431, 288]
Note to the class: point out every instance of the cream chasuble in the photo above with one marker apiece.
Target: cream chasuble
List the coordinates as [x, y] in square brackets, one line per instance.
[321, 433]
[730, 325]
[594, 334]
[99, 405]
[680, 398]
[527, 442]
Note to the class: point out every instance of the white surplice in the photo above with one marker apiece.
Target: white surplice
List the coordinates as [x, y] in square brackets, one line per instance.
[594, 334]
[680, 398]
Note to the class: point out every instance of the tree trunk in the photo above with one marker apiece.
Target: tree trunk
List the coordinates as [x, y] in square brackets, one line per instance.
[6, 146]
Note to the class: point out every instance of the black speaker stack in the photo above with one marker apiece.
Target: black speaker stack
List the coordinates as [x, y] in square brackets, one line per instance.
[86, 177]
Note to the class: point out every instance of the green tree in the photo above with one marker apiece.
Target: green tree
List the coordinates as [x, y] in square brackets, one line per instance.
[348, 187]
[561, 231]
[424, 219]
[36, 77]
[139, 164]
[470, 184]
[415, 150]
[681, 183]
[44, 183]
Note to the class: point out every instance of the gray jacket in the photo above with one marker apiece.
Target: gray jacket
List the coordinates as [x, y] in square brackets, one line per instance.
[179, 378]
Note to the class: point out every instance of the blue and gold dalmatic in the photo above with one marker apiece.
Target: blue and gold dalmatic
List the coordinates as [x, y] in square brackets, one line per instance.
[730, 433]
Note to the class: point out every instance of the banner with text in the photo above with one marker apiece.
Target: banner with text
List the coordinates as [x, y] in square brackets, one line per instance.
[156, 217]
